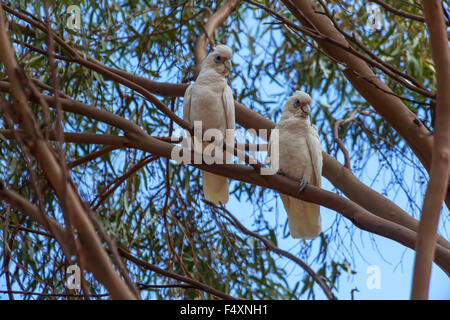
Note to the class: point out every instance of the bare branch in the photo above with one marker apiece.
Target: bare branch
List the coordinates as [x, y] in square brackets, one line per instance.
[440, 162]
[339, 141]
[214, 21]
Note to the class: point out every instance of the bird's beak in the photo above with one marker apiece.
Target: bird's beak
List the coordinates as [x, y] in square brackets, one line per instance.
[227, 64]
[306, 109]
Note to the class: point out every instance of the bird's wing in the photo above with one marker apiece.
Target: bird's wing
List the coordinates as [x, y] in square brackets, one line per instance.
[270, 148]
[187, 104]
[228, 103]
[315, 152]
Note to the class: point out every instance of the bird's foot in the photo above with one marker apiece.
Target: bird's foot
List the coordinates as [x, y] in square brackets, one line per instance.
[281, 172]
[302, 184]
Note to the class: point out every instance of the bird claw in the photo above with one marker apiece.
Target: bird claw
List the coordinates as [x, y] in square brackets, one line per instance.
[281, 172]
[302, 184]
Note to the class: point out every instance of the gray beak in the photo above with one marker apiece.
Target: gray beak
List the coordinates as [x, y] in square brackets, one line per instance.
[307, 109]
[227, 65]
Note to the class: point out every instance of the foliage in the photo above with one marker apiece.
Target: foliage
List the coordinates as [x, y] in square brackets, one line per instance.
[158, 214]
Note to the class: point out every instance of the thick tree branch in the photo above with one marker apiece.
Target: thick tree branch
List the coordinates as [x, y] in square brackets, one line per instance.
[440, 162]
[402, 78]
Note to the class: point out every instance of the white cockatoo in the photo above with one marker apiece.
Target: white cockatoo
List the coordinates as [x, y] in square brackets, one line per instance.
[210, 100]
[300, 157]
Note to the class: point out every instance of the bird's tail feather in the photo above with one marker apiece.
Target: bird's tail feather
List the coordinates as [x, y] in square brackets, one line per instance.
[215, 188]
[303, 217]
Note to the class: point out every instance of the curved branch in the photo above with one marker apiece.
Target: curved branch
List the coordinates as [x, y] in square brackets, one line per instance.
[440, 163]
[336, 138]
[214, 21]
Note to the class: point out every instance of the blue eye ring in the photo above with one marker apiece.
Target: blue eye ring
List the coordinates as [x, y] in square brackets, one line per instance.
[296, 104]
[217, 59]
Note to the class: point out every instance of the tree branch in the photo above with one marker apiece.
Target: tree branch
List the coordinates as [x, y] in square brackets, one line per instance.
[214, 21]
[339, 142]
[440, 162]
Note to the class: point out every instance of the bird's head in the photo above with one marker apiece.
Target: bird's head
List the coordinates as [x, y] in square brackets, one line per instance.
[219, 60]
[298, 106]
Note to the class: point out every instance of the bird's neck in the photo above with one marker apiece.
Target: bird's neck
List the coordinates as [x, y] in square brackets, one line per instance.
[208, 76]
[294, 123]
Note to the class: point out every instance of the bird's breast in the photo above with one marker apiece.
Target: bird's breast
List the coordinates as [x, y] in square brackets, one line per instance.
[295, 159]
[207, 106]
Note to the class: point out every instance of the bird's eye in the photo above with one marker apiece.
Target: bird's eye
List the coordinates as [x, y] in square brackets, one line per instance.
[297, 103]
[218, 59]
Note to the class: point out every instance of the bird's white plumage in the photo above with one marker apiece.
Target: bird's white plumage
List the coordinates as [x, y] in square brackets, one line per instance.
[210, 100]
[300, 157]
[187, 104]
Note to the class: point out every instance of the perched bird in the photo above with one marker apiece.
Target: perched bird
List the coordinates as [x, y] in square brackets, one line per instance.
[300, 157]
[210, 100]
